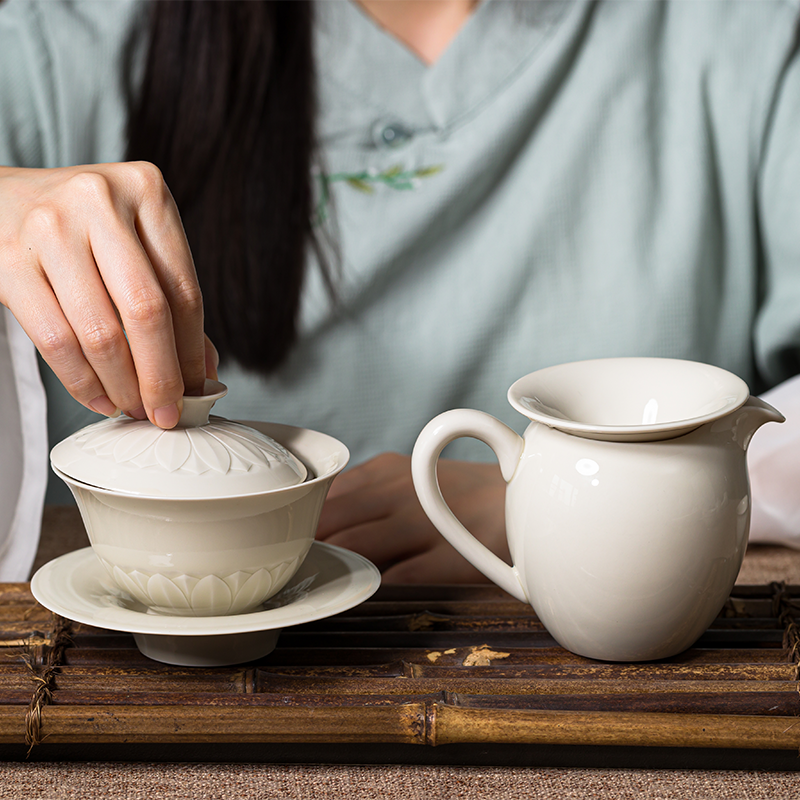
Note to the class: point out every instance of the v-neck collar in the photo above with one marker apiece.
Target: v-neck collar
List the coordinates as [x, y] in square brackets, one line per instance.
[377, 69]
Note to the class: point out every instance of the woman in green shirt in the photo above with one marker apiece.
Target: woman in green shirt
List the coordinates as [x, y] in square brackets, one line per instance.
[460, 193]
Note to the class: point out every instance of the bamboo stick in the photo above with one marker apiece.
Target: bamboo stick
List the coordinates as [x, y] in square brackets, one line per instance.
[764, 704]
[415, 723]
[122, 723]
[462, 725]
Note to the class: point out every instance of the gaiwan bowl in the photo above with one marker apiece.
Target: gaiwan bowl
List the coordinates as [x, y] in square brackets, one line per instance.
[211, 518]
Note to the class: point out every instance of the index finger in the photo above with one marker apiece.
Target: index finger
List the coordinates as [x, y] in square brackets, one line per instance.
[146, 318]
[161, 233]
[156, 294]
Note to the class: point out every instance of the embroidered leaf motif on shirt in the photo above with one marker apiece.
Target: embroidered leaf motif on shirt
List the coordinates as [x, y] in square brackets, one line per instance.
[366, 181]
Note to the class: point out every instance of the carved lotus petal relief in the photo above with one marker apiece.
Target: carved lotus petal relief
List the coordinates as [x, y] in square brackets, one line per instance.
[209, 450]
[219, 446]
[254, 589]
[212, 595]
[164, 593]
[172, 451]
[133, 444]
[128, 583]
[215, 595]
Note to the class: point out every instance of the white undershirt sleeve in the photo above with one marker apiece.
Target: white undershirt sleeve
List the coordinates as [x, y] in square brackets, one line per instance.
[23, 450]
[774, 462]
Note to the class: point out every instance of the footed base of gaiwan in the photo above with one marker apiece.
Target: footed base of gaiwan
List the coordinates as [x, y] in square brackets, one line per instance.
[207, 651]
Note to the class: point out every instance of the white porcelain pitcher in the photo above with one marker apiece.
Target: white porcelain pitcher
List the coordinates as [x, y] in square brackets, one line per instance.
[628, 501]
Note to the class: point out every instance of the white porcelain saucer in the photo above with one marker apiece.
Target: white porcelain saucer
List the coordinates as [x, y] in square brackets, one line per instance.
[330, 580]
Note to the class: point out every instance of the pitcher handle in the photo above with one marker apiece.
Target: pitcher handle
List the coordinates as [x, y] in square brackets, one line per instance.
[507, 446]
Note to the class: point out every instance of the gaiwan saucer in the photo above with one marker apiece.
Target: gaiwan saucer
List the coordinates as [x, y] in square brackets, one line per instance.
[330, 580]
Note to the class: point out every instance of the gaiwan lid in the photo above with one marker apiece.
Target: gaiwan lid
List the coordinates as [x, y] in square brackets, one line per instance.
[204, 456]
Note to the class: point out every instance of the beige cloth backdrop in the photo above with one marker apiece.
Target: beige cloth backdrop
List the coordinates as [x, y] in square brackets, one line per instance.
[232, 782]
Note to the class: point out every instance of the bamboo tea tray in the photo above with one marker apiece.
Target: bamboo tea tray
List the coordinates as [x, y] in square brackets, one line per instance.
[431, 674]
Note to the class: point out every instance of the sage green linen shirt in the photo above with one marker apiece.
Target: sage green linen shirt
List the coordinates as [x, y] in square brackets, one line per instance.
[570, 180]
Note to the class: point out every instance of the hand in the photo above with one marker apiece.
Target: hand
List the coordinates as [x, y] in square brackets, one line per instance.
[373, 510]
[95, 266]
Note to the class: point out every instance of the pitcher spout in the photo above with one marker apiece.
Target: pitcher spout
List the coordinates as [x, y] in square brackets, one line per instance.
[747, 419]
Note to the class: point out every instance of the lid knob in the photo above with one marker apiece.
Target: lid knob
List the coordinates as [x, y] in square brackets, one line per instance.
[196, 408]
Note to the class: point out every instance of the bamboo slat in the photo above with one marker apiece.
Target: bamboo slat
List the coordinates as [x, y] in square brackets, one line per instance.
[423, 667]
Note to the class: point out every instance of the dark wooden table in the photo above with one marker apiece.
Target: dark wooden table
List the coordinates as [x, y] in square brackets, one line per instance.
[432, 674]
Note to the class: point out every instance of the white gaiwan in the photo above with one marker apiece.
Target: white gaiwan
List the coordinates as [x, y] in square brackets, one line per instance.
[210, 518]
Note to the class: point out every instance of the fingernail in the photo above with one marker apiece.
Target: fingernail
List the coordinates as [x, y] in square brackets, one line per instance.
[167, 416]
[138, 413]
[102, 405]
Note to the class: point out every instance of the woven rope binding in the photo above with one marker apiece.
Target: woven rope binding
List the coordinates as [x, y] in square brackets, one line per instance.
[43, 673]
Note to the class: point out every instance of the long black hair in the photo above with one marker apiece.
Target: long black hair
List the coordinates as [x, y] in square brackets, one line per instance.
[226, 111]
